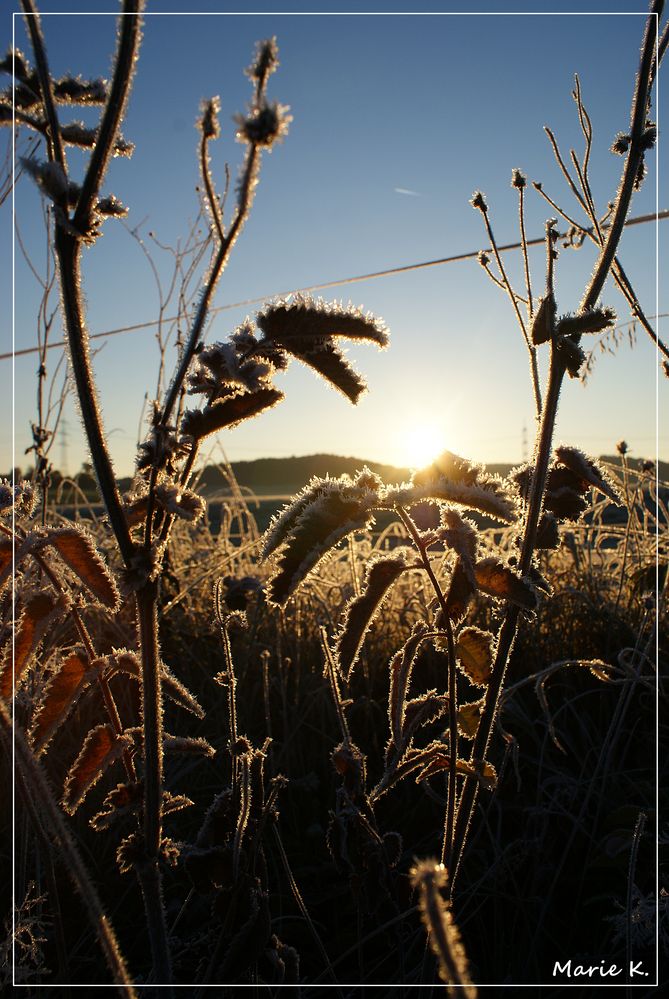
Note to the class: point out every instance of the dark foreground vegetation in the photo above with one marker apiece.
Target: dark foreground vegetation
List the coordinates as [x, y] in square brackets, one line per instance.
[406, 736]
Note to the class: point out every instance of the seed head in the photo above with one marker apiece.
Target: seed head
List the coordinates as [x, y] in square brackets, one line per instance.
[208, 123]
[518, 179]
[621, 143]
[622, 447]
[265, 125]
[478, 201]
[266, 60]
[649, 135]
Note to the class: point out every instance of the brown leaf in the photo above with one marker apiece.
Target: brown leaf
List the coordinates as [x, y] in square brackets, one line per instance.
[460, 593]
[5, 556]
[589, 471]
[320, 527]
[310, 320]
[77, 550]
[422, 711]
[548, 533]
[32, 624]
[123, 661]
[543, 323]
[360, 611]
[63, 690]
[469, 716]
[228, 412]
[475, 648]
[486, 774]
[100, 749]
[183, 744]
[499, 580]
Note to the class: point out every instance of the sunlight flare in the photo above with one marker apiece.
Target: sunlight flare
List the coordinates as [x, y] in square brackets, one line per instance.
[421, 443]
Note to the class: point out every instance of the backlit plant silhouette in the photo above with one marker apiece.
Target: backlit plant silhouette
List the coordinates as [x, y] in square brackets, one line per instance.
[467, 538]
[235, 379]
[537, 500]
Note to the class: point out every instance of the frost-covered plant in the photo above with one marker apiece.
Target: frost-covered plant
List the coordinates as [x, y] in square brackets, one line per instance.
[535, 501]
[59, 570]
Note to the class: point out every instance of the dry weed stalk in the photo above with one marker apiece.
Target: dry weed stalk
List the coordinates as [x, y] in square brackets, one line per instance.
[235, 379]
[61, 572]
[536, 500]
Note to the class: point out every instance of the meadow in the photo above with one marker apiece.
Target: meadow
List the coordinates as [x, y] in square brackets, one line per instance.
[393, 732]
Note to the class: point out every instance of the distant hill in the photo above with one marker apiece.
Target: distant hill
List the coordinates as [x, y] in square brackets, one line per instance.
[281, 477]
[285, 476]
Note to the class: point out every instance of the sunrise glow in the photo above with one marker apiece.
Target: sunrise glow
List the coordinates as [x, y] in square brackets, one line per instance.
[421, 444]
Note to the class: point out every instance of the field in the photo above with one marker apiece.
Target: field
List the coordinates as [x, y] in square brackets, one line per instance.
[313, 721]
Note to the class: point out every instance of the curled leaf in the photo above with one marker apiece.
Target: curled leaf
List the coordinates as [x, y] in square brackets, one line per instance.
[304, 318]
[455, 480]
[77, 550]
[124, 799]
[100, 749]
[592, 321]
[589, 471]
[312, 526]
[548, 534]
[565, 503]
[543, 323]
[485, 774]
[183, 503]
[183, 744]
[307, 327]
[199, 423]
[421, 711]
[475, 654]
[124, 661]
[460, 592]
[35, 618]
[382, 572]
[469, 716]
[460, 535]
[68, 682]
[499, 580]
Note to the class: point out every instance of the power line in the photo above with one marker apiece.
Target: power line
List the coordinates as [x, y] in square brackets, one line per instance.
[454, 258]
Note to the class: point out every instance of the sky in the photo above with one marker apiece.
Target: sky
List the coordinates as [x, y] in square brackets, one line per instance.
[397, 119]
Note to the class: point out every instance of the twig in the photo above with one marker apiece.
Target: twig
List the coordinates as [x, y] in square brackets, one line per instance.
[297, 895]
[636, 839]
[124, 64]
[483, 208]
[544, 444]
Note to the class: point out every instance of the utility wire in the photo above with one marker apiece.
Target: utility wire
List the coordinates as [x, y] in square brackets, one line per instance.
[637, 220]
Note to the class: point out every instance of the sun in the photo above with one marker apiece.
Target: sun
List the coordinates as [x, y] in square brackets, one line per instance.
[421, 443]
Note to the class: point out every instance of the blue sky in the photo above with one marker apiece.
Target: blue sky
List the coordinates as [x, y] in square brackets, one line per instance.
[383, 105]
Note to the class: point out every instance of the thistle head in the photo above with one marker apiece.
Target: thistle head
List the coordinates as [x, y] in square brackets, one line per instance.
[266, 60]
[518, 179]
[208, 122]
[621, 143]
[478, 201]
[264, 125]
